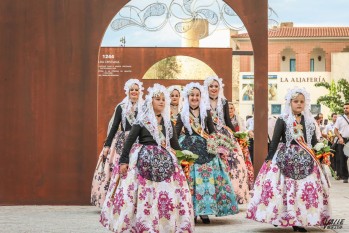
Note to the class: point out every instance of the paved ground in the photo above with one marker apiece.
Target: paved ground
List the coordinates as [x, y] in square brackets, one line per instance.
[59, 219]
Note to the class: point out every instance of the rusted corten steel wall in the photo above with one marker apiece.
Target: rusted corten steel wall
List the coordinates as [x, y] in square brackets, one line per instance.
[48, 98]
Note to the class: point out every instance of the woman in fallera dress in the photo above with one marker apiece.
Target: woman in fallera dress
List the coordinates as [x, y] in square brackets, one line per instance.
[219, 109]
[291, 188]
[149, 191]
[124, 115]
[239, 126]
[176, 102]
[237, 122]
[212, 190]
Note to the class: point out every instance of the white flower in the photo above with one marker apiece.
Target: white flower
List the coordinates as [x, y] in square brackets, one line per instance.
[187, 152]
[319, 146]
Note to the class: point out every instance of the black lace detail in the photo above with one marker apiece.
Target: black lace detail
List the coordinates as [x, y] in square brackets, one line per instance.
[194, 108]
[294, 162]
[197, 145]
[120, 140]
[155, 163]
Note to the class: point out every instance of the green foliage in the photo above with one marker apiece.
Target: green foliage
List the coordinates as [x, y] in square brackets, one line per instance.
[343, 87]
[240, 135]
[186, 156]
[338, 95]
[168, 68]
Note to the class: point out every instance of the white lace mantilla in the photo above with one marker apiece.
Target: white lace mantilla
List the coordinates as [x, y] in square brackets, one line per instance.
[185, 110]
[221, 100]
[146, 117]
[289, 118]
[290, 134]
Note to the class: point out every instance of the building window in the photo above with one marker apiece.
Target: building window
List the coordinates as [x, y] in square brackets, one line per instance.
[292, 65]
[312, 65]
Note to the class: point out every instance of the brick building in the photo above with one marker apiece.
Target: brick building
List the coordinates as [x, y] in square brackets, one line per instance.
[298, 49]
[298, 56]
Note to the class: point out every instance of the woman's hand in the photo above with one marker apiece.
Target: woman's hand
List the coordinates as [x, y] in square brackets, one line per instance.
[123, 168]
[268, 163]
[106, 151]
[250, 134]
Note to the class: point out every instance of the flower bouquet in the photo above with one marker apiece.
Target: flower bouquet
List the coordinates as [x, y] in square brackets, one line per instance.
[323, 153]
[186, 159]
[242, 138]
[218, 143]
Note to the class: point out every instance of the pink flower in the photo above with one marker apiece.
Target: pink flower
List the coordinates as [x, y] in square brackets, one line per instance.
[310, 196]
[165, 205]
[275, 210]
[146, 212]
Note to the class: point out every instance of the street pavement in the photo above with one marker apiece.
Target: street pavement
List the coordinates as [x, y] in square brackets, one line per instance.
[62, 219]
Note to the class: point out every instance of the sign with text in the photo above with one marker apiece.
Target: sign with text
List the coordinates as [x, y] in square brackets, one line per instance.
[278, 85]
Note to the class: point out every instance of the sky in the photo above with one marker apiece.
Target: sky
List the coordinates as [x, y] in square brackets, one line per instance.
[312, 12]
[300, 12]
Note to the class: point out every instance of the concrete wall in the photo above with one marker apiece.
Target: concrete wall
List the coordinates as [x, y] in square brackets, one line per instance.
[340, 66]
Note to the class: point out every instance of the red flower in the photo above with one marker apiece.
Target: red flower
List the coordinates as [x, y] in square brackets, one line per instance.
[198, 197]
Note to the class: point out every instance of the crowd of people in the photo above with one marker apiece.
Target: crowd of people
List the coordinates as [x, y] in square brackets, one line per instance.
[336, 132]
[140, 186]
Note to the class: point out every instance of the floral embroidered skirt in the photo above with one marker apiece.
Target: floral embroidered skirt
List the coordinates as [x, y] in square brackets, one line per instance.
[152, 197]
[213, 192]
[249, 165]
[293, 191]
[103, 171]
[238, 171]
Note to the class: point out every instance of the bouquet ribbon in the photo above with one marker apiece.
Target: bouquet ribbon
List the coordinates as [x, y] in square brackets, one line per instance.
[324, 155]
[242, 142]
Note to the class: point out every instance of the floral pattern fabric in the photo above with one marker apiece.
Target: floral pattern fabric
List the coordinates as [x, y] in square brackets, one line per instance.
[284, 201]
[250, 171]
[136, 204]
[235, 160]
[213, 193]
[174, 118]
[103, 171]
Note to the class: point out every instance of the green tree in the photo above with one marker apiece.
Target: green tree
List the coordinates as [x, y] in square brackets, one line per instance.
[338, 95]
[168, 68]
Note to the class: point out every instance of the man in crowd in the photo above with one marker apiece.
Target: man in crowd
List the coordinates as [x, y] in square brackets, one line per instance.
[328, 133]
[318, 118]
[271, 126]
[341, 129]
